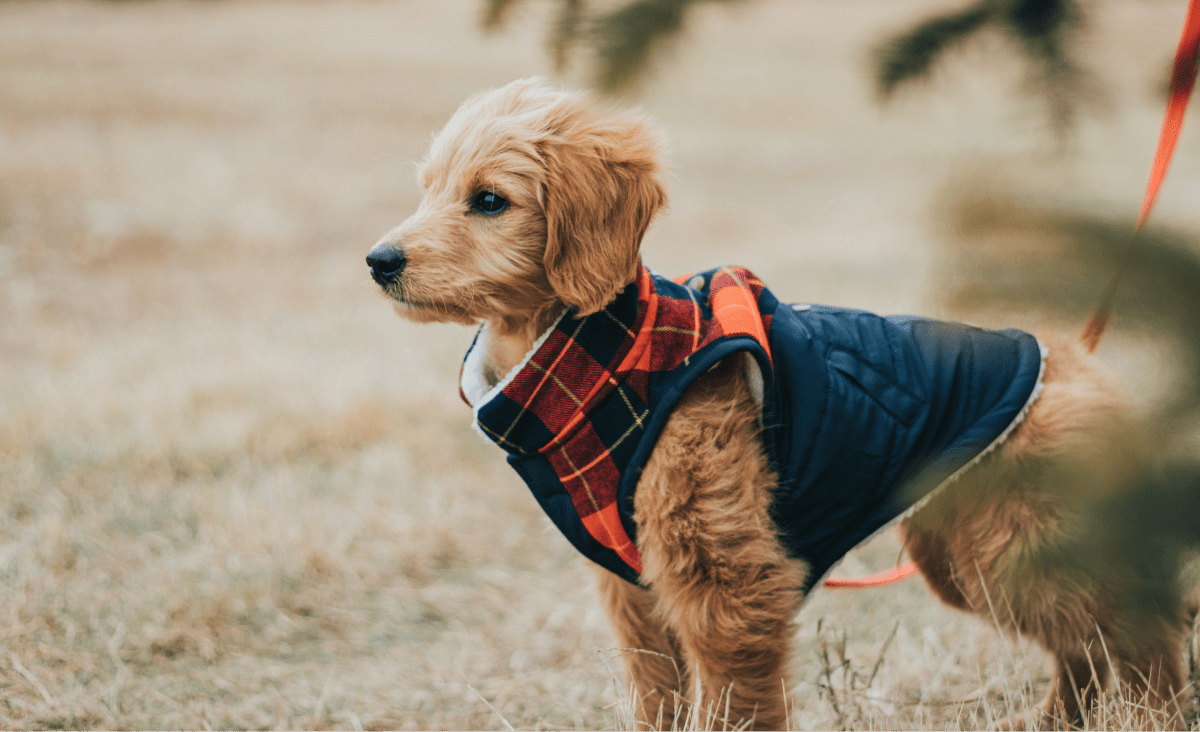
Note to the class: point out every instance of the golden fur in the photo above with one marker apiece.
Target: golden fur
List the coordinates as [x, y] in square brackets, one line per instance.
[719, 592]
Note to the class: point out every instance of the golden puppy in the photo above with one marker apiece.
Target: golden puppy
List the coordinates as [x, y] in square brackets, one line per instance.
[534, 210]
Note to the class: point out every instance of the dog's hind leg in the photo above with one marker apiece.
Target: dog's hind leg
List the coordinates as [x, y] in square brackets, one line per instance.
[1080, 668]
[931, 553]
[710, 553]
[1152, 677]
[1078, 680]
[652, 655]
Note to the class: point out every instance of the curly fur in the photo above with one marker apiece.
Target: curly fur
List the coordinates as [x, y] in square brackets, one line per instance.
[719, 592]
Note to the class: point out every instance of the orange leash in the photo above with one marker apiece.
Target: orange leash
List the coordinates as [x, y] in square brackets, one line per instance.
[1183, 78]
[875, 580]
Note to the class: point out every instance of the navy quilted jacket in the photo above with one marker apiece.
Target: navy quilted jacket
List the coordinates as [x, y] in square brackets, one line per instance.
[862, 415]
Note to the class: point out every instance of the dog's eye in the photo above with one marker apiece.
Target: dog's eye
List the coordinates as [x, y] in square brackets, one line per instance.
[489, 203]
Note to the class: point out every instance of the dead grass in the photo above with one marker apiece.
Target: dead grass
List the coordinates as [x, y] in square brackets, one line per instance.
[241, 493]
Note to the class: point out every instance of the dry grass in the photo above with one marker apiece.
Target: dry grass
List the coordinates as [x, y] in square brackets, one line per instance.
[241, 493]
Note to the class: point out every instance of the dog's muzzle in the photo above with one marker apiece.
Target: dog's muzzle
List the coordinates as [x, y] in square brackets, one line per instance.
[386, 263]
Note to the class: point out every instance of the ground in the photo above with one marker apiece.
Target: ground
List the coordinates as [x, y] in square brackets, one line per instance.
[241, 493]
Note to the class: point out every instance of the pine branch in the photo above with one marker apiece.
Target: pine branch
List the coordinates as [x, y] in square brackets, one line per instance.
[566, 31]
[1043, 30]
[911, 55]
[495, 12]
[626, 38]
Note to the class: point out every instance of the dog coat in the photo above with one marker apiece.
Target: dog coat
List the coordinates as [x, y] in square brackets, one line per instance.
[862, 416]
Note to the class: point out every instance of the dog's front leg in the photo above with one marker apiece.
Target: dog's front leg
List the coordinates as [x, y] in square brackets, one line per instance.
[709, 550]
[652, 654]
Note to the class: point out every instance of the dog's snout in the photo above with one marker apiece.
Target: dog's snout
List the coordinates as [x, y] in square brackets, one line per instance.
[386, 263]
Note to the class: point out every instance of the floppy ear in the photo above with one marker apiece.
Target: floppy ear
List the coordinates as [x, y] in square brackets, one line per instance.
[601, 191]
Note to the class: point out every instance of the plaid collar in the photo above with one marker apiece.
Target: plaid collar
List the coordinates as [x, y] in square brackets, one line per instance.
[582, 396]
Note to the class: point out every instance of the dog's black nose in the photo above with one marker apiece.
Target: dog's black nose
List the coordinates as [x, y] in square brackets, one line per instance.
[386, 263]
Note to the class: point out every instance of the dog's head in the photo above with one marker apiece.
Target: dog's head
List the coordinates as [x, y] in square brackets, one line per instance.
[533, 200]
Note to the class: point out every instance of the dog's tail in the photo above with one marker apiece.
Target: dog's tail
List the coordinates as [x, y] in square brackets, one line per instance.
[1183, 78]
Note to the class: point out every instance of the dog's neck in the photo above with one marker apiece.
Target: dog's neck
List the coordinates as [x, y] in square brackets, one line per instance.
[503, 352]
[510, 339]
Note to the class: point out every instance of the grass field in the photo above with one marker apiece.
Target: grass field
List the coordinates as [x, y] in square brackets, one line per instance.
[239, 492]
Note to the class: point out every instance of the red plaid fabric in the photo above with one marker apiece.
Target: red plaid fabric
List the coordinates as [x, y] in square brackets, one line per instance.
[581, 399]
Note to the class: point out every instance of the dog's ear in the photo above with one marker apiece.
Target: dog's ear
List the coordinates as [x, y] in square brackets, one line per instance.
[602, 189]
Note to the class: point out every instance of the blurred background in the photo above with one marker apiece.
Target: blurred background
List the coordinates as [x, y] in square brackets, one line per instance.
[239, 492]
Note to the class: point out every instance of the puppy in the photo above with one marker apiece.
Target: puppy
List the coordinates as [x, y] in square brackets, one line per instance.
[715, 451]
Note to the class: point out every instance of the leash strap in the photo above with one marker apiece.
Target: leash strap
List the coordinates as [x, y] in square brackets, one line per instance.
[881, 578]
[1183, 78]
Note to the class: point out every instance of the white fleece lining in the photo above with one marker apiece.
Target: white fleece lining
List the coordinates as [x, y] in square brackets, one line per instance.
[754, 380]
[474, 383]
[1017, 420]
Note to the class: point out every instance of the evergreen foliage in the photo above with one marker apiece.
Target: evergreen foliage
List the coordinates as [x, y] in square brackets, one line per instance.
[626, 41]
